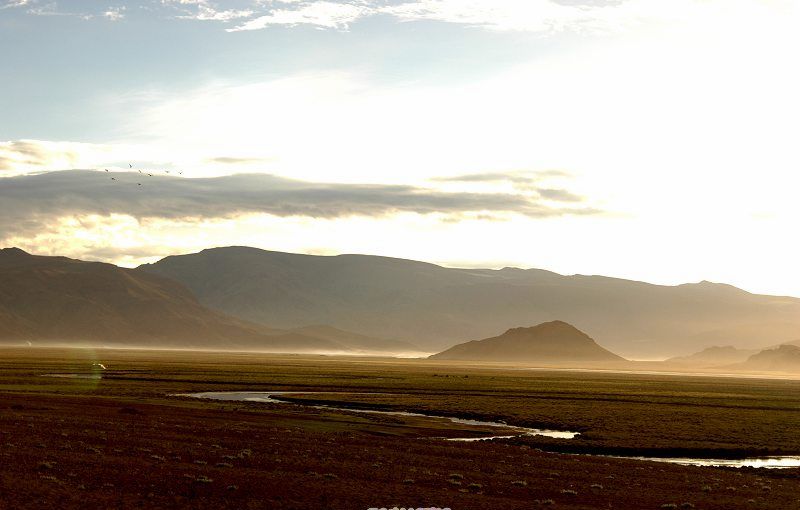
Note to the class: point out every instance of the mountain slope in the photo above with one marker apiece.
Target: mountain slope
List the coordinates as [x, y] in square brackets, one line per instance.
[785, 358]
[715, 356]
[550, 342]
[435, 307]
[59, 300]
[355, 341]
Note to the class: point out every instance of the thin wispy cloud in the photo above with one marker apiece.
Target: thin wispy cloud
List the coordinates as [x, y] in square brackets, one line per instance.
[31, 202]
[538, 16]
[338, 15]
[535, 182]
[9, 4]
[32, 154]
[24, 156]
[232, 160]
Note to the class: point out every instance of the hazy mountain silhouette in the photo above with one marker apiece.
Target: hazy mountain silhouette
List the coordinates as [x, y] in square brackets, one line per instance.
[785, 358]
[715, 356]
[355, 341]
[551, 342]
[56, 300]
[435, 307]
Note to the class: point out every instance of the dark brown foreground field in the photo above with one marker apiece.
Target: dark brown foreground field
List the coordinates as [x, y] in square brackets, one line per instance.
[123, 442]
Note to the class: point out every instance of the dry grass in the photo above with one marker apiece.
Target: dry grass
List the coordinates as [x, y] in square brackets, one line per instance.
[120, 442]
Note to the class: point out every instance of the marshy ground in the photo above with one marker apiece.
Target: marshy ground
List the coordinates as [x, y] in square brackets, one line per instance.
[115, 438]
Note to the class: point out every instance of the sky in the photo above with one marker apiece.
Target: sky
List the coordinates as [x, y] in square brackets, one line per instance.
[640, 139]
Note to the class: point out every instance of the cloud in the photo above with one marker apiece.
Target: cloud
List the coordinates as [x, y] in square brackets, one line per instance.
[520, 177]
[204, 10]
[230, 160]
[558, 195]
[325, 14]
[32, 154]
[29, 203]
[542, 16]
[114, 13]
[521, 181]
[21, 156]
[8, 4]
[537, 16]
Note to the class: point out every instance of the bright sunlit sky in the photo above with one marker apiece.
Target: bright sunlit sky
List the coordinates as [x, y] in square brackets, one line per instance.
[645, 139]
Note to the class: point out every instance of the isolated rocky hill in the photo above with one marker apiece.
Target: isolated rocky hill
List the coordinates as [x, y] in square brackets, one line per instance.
[551, 342]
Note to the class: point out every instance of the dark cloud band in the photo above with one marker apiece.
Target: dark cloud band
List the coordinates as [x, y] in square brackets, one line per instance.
[31, 202]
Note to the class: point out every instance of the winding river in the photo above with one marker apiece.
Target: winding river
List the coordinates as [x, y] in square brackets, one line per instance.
[504, 430]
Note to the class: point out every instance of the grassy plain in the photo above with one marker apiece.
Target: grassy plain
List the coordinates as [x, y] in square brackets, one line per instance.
[122, 442]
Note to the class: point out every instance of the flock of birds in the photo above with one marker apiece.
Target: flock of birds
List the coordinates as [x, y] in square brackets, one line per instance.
[148, 174]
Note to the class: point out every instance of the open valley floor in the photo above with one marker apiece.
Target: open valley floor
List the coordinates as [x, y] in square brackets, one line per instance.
[75, 434]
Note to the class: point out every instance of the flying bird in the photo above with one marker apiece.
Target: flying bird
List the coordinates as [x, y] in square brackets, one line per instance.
[113, 179]
[106, 169]
[138, 183]
[130, 165]
[99, 365]
[149, 175]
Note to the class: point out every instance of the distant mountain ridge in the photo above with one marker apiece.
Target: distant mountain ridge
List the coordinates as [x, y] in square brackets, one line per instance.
[435, 307]
[57, 300]
[715, 356]
[784, 358]
[550, 342]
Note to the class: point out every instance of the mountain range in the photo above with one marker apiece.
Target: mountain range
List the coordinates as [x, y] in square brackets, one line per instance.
[246, 298]
[61, 301]
[435, 307]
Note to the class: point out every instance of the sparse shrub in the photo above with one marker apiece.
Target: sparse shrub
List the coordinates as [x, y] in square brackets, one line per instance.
[706, 488]
[408, 481]
[596, 486]
[544, 502]
[569, 492]
[456, 476]
[232, 487]
[223, 465]
[687, 505]
[46, 465]
[203, 479]
[520, 483]
[201, 462]
[669, 505]
[330, 476]
[474, 487]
